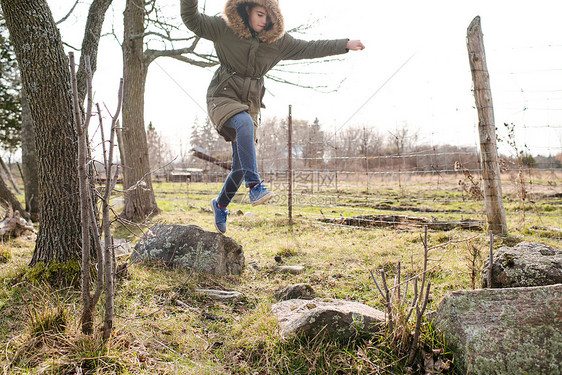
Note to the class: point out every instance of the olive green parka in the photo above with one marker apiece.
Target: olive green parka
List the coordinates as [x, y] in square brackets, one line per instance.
[245, 57]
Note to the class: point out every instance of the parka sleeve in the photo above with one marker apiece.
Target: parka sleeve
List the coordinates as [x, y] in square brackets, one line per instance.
[296, 49]
[202, 25]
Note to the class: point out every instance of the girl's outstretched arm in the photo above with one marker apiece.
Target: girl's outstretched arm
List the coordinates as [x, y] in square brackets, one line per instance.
[355, 45]
[296, 49]
[201, 24]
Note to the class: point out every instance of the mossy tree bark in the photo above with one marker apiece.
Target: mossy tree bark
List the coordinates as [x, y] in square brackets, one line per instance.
[139, 196]
[46, 81]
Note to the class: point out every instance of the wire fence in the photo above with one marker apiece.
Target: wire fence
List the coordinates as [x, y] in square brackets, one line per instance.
[444, 199]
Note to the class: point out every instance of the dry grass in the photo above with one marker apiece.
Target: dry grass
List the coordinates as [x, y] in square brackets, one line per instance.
[163, 327]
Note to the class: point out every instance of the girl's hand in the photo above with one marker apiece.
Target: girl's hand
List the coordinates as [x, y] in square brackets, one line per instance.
[354, 45]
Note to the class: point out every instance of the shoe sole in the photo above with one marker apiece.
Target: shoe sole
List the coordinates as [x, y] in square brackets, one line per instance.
[264, 199]
[214, 222]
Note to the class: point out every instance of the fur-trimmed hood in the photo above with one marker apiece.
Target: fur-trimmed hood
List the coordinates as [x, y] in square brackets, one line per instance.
[236, 17]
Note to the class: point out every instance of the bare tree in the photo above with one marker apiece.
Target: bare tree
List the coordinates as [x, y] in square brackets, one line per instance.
[106, 258]
[139, 197]
[158, 150]
[402, 139]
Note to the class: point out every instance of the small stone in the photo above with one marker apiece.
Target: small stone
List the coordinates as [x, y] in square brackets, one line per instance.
[296, 291]
[221, 295]
[254, 265]
[118, 202]
[122, 247]
[295, 270]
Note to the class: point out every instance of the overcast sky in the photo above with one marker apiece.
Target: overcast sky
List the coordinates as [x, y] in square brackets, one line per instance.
[431, 93]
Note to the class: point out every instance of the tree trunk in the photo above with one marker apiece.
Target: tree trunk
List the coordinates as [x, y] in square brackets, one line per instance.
[139, 196]
[9, 176]
[46, 80]
[90, 43]
[29, 160]
[8, 197]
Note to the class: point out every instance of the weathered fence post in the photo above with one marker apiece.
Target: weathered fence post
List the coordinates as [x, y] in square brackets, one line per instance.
[486, 128]
[290, 164]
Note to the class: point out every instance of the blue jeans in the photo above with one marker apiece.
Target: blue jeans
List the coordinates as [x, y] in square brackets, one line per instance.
[244, 162]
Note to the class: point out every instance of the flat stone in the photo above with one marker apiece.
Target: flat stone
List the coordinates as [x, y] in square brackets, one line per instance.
[296, 291]
[337, 318]
[526, 264]
[121, 246]
[191, 247]
[504, 331]
[221, 295]
[295, 270]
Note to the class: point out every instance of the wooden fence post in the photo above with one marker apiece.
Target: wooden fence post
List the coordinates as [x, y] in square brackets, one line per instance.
[486, 128]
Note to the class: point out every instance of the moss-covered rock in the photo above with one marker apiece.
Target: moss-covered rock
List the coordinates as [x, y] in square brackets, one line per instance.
[335, 318]
[523, 265]
[504, 331]
[191, 247]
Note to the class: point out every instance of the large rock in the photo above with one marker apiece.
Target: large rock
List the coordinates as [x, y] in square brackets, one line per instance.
[191, 247]
[504, 331]
[335, 318]
[526, 264]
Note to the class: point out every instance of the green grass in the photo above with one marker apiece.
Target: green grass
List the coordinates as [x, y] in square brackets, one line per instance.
[154, 333]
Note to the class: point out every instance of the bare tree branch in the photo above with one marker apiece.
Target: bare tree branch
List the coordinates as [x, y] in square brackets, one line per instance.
[315, 88]
[160, 35]
[178, 54]
[68, 14]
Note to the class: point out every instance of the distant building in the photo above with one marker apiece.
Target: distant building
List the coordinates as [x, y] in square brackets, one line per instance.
[185, 175]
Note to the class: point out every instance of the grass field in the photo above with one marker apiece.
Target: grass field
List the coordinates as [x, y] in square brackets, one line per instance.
[156, 334]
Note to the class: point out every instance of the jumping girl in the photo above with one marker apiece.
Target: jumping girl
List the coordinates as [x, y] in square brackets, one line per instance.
[249, 40]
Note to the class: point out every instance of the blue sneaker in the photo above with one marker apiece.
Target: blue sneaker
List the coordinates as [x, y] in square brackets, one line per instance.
[220, 216]
[259, 194]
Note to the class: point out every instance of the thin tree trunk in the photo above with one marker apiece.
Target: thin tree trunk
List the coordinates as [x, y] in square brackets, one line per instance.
[486, 129]
[90, 43]
[46, 80]
[119, 134]
[139, 196]
[9, 198]
[9, 176]
[85, 196]
[29, 160]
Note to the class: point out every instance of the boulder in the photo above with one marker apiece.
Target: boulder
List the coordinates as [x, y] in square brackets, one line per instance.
[336, 318]
[296, 291]
[526, 264]
[191, 247]
[504, 331]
